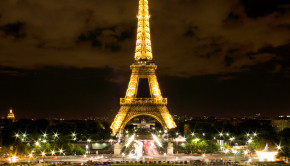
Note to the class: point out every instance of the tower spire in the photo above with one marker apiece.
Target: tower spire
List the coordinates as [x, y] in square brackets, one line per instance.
[143, 50]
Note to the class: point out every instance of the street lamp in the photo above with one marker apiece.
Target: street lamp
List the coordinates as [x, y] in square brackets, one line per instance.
[30, 156]
[52, 152]
[235, 152]
[60, 151]
[123, 155]
[165, 156]
[43, 154]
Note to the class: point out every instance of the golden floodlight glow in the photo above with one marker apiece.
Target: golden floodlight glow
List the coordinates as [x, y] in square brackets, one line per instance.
[143, 44]
[143, 68]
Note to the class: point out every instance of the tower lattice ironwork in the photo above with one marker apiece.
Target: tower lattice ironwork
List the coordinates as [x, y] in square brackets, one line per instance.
[143, 68]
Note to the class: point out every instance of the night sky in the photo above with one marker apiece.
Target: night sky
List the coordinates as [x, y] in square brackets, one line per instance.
[71, 58]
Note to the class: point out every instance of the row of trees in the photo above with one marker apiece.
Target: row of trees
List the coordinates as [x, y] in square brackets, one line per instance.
[50, 137]
[254, 134]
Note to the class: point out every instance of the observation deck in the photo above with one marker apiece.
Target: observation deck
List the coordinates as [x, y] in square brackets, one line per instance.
[143, 101]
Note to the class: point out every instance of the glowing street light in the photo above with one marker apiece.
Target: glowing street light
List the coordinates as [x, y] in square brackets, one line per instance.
[123, 155]
[24, 135]
[255, 134]
[60, 151]
[196, 140]
[89, 140]
[226, 151]
[30, 155]
[55, 135]
[37, 143]
[192, 134]
[165, 156]
[248, 134]
[250, 141]
[44, 135]
[73, 134]
[16, 135]
[278, 147]
[221, 134]
[228, 134]
[43, 153]
[52, 152]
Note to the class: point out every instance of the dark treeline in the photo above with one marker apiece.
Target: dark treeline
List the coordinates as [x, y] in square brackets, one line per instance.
[41, 135]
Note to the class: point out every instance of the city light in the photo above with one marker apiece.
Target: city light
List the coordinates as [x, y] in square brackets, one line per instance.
[268, 156]
[16, 135]
[226, 151]
[278, 147]
[250, 141]
[221, 134]
[37, 143]
[196, 140]
[43, 153]
[192, 134]
[52, 152]
[55, 135]
[30, 155]
[13, 159]
[24, 135]
[60, 151]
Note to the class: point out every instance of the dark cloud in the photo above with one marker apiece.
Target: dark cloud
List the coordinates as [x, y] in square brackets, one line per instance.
[14, 29]
[261, 8]
[220, 54]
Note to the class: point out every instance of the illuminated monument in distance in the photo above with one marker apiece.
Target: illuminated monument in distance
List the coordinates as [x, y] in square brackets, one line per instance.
[143, 69]
[11, 115]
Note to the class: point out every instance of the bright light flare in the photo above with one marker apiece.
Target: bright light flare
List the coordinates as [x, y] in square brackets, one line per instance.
[130, 140]
[156, 140]
[269, 156]
[13, 159]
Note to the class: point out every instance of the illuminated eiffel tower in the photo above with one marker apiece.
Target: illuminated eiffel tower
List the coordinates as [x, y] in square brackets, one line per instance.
[143, 69]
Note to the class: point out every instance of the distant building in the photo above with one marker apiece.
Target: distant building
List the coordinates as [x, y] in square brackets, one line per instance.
[280, 124]
[144, 124]
[11, 115]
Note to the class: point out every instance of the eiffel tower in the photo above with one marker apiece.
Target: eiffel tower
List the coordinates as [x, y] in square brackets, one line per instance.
[143, 69]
